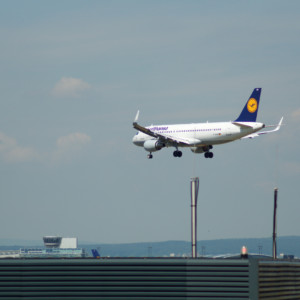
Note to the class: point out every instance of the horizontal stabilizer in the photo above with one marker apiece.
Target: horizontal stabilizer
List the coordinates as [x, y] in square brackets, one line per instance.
[243, 124]
[253, 135]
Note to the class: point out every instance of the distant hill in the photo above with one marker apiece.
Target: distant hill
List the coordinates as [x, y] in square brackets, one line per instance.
[18, 242]
[285, 244]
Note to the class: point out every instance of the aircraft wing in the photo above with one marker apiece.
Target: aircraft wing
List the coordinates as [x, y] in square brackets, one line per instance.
[164, 137]
[144, 130]
[253, 135]
[178, 140]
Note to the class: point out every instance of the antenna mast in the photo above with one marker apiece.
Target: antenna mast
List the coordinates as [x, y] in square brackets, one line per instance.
[275, 224]
[194, 196]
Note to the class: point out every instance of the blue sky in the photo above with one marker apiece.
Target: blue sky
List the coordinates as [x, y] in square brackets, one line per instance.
[74, 73]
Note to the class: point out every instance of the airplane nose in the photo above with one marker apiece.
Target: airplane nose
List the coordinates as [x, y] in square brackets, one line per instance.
[134, 140]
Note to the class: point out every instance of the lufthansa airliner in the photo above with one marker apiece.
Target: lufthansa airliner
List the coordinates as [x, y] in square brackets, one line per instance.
[201, 137]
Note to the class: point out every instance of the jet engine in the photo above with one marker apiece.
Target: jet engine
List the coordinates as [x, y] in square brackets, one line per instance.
[201, 149]
[153, 145]
[197, 149]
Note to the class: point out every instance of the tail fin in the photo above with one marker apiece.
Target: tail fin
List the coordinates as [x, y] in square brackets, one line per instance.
[249, 113]
[95, 253]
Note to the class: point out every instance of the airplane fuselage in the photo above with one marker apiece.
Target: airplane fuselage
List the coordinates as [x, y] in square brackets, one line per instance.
[203, 134]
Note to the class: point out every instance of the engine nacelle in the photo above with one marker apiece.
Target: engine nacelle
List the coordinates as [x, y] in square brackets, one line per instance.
[153, 145]
[201, 149]
[197, 149]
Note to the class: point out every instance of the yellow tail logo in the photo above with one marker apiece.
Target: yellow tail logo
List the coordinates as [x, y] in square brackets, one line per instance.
[252, 105]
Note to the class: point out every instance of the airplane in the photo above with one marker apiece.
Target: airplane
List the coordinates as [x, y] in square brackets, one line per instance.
[201, 137]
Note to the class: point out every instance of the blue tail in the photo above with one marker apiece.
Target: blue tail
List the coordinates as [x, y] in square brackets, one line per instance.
[95, 253]
[249, 113]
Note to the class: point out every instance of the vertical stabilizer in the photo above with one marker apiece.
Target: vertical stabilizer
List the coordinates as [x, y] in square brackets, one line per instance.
[249, 113]
[95, 253]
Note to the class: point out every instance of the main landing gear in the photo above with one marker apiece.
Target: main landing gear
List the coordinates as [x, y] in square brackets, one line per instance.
[208, 154]
[177, 153]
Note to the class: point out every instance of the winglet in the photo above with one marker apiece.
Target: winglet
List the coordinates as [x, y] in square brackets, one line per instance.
[136, 117]
[279, 125]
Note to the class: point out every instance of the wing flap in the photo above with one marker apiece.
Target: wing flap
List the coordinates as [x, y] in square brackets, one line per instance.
[178, 140]
[242, 124]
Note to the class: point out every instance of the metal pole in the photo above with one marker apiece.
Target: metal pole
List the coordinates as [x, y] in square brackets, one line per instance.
[275, 224]
[194, 196]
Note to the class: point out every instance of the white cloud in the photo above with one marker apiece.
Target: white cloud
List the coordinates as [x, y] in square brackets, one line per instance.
[10, 151]
[70, 87]
[70, 145]
[67, 148]
[296, 115]
[73, 140]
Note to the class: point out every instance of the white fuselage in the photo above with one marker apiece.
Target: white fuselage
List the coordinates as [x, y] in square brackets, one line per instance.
[204, 134]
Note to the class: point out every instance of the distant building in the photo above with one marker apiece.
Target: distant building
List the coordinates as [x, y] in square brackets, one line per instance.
[52, 241]
[52, 253]
[60, 242]
[9, 253]
[55, 247]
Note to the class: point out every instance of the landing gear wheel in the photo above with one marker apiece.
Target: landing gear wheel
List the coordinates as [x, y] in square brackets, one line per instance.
[177, 153]
[208, 155]
[150, 156]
